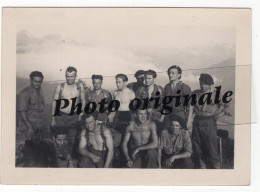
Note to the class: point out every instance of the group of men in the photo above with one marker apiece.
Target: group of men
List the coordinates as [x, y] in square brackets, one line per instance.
[148, 139]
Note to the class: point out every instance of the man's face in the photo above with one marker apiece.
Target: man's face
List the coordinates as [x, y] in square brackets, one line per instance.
[120, 83]
[140, 79]
[204, 87]
[36, 82]
[90, 123]
[175, 126]
[149, 80]
[97, 83]
[142, 116]
[61, 139]
[173, 74]
[71, 77]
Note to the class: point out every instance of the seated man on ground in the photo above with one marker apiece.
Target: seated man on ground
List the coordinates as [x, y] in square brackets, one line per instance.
[61, 143]
[96, 144]
[143, 142]
[175, 145]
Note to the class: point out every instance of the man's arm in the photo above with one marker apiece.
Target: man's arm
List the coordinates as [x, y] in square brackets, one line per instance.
[27, 123]
[83, 100]
[125, 142]
[111, 115]
[154, 139]
[22, 108]
[56, 97]
[109, 146]
[82, 145]
[190, 116]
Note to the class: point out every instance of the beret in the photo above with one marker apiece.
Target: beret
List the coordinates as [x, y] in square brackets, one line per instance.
[206, 79]
[139, 72]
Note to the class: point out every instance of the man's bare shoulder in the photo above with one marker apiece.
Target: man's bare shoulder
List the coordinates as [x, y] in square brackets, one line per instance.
[106, 130]
[151, 125]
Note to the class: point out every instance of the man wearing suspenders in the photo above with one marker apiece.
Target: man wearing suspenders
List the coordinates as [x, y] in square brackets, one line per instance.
[69, 90]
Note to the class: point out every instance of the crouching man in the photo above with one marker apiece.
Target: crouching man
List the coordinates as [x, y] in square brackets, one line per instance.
[142, 139]
[96, 144]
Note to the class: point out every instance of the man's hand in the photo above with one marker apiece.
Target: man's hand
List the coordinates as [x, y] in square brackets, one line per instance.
[189, 124]
[30, 130]
[169, 161]
[150, 110]
[129, 163]
[53, 122]
[134, 153]
[95, 158]
[84, 84]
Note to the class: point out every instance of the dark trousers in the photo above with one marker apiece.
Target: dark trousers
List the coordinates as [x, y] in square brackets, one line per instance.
[87, 162]
[183, 163]
[71, 123]
[204, 142]
[146, 159]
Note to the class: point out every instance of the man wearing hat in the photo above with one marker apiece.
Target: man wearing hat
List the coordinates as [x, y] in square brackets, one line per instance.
[139, 75]
[174, 88]
[204, 127]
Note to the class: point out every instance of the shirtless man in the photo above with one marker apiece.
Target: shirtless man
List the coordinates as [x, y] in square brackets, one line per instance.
[142, 152]
[124, 95]
[69, 90]
[96, 144]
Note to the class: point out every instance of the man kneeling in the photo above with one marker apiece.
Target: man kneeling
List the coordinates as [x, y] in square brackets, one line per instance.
[96, 144]
[142, 152]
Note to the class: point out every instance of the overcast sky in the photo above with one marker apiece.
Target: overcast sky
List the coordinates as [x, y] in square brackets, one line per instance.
[120, 41]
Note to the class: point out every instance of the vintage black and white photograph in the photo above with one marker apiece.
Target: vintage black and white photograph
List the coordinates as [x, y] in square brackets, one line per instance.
[125, 88]
[125, 95]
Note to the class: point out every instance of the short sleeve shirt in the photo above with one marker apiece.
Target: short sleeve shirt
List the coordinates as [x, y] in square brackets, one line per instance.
[175, 143]
[31, 99]
[207, 109]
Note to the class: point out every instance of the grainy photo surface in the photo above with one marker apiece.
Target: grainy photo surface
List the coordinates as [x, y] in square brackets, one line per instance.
[123, 89]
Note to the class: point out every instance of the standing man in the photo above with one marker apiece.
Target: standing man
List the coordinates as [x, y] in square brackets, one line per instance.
[143, 142]
[124, 95]
[31, 106]
[96, 144]
[204, 127]
[173, 88]
[139, 75]
[151, 90]
[69, 90]
[97, 95]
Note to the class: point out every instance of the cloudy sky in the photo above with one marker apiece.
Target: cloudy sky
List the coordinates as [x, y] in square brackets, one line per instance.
[99, 41]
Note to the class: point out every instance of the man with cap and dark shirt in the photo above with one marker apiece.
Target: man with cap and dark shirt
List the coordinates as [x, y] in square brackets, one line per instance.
[204, 127]
[139, 75]
[174, 88]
